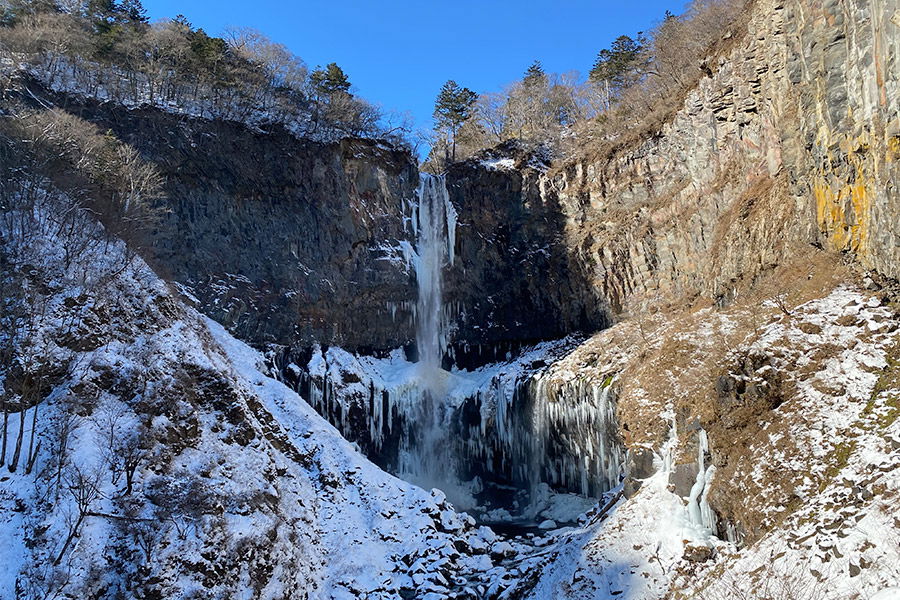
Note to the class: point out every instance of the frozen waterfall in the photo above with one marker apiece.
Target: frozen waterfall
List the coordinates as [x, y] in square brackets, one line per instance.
[425, 456]
[499, 436]
[436, 238]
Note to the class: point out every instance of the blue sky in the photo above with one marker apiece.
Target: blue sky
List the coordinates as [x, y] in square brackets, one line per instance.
[398, 53]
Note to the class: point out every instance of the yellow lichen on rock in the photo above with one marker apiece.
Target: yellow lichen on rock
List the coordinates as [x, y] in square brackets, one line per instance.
[843, 204]
[893, 152]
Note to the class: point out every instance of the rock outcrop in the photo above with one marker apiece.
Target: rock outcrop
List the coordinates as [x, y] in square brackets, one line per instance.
[283, 239]
[514, 281]
[793, 140]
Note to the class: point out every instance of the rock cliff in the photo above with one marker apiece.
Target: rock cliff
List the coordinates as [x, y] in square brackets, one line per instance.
[792, 140]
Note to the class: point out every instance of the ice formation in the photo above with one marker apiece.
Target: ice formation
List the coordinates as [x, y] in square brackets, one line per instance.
[513, 429]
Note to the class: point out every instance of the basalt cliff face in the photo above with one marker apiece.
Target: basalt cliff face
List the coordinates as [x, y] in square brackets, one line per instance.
[284, 240]
[793, 139]
[299, 242]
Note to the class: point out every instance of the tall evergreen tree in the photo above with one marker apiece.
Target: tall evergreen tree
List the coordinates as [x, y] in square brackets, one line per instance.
[452, 108]
[615, 66]
[133, 10]
[614, 63]
[330, 80]
[182, 21]
[534, 75]
[101, 10]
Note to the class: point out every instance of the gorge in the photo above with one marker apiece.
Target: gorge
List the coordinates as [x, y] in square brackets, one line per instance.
[663, 363]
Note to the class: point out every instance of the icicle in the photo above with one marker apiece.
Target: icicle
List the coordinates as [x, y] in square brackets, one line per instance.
[699, 510]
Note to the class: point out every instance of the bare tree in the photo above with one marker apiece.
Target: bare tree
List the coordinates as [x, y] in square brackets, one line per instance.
[66, 425]
[282, 67]
[84, 488]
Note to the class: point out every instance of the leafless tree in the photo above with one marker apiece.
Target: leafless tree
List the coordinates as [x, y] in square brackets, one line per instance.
[84, 488]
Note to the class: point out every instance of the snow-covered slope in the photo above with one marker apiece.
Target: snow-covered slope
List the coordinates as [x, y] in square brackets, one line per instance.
[806, 487]
[239, 489]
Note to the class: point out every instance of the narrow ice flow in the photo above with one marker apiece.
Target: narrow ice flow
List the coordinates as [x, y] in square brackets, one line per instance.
[428, 461]
[699, 509]
[436, 238]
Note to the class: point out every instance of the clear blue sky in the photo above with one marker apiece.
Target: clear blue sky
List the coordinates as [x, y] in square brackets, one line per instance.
[398, 53]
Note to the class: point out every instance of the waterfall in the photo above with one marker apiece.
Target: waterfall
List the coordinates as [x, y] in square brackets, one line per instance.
[498, 436]
[426, 455]
[436, 239]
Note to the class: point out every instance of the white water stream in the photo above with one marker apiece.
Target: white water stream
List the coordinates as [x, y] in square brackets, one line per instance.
[429, 461]
[522, 428]
[436, 239]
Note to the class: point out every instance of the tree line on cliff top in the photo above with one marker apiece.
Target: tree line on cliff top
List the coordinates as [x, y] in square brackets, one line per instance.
[633, 86]
[109, 45]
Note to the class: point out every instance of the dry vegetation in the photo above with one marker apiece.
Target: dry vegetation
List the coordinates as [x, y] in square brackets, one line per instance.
[577, 118]
[97, 173]
[703, 366]
[109, 53]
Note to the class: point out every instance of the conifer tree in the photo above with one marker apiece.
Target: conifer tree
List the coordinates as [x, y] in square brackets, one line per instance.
[330, 80]
[616, 65]
[535, 76]
[451, 109]
[183, 22]
[133, 10]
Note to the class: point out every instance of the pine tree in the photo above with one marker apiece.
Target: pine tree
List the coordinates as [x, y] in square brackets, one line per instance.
[102, 10]
[330, 80]
[133, 10]
[452, 108]
[182, 21]
[614, 63]
[535, 76]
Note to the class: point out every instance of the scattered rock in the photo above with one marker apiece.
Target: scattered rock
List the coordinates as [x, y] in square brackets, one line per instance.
[698, 553]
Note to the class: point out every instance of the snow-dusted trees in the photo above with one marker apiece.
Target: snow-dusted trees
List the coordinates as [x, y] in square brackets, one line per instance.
[107, 49]
[84, 487]
[123, 443]
[127, 186]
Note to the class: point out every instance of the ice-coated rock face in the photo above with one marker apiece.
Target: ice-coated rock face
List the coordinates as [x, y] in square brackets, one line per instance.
[508, 429]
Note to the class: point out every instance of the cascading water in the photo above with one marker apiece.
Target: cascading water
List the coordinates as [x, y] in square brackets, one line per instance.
[499, 436]
[436, 233]
[426, 459]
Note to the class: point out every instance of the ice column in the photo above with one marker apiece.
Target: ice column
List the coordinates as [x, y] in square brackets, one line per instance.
[435, 248]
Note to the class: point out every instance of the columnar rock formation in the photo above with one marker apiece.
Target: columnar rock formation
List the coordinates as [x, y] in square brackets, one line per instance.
[794, 139]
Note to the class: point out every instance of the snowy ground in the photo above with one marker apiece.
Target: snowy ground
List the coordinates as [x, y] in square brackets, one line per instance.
[240, 489]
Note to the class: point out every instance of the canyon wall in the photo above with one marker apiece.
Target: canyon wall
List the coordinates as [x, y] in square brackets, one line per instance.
[295, 241]
[281, 239]
[793, 139]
